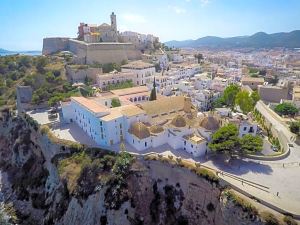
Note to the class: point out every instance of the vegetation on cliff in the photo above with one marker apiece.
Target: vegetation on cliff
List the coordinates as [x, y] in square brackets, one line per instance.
[46, 75]
[89, 170]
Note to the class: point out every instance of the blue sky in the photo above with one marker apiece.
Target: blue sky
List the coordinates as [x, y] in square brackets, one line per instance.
[24, 23]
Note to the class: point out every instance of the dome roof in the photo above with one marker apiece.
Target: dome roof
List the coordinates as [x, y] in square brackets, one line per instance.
[156, 129]
[210, 123]
[178, 121]
[139, 130]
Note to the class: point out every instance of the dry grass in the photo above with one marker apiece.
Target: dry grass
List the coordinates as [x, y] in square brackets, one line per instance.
[240, 202]
[269, 218]
[70, 168]
[45, 130]
[194, 167]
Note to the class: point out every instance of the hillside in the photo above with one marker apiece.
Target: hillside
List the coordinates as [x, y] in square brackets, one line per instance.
[258, 40]
[46, 75]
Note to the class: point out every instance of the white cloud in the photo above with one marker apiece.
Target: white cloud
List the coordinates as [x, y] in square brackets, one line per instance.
[205, 2]
[133, 18]
[177, 9]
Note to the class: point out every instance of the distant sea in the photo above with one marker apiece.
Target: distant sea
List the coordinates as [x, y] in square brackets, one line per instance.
[30, 53]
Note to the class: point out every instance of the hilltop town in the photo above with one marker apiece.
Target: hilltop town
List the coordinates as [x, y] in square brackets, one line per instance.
[230, 116]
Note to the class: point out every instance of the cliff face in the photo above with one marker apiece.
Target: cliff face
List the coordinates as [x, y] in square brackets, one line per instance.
[150, 192]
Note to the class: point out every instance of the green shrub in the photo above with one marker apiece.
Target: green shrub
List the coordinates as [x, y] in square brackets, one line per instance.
[240, 202]
[208, 175]
[288, 220]
[44, 129]
[269, 218]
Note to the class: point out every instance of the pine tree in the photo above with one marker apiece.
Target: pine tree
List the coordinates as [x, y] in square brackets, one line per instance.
[153, 92]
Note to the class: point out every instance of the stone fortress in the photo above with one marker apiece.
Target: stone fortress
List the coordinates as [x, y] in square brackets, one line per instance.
[101, 44]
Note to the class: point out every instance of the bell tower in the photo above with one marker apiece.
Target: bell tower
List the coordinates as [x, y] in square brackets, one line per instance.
[113, 21]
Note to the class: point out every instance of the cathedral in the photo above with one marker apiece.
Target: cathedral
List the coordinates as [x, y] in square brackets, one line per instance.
[93, 33]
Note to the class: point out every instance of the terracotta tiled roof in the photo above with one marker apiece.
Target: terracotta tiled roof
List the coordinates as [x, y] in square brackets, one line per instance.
[139, 130]
[163, 105]
[156, 129]
[130, 91]
[210, 123]
[178, 121]
[252, 79]
[131, 110]
[89, 104]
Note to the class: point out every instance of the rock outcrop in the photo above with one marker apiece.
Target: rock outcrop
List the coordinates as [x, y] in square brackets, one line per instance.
[155, 192]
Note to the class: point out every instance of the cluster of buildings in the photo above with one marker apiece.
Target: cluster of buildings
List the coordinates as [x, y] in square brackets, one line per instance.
[102, 44]
[180, 117]
[93, 33]
[151, 124]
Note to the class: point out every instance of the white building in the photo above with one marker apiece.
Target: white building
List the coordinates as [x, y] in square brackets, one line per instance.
[219, 84]
[148, 125]
[202, 81]
[143, 71]
[104, 80]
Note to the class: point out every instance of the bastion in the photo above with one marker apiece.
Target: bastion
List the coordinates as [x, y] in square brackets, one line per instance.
[90, 53]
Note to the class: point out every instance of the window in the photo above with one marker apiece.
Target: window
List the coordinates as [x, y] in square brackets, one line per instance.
[145, 144]
[251, 130]
[100, 123]
[192, 146]
[245, 128]
[133, 141]
[184, 142]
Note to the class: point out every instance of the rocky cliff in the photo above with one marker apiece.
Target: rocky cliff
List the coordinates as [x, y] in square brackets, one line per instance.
[49, 184]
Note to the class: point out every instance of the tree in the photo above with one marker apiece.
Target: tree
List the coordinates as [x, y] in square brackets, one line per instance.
[244, 101]
[295, 127]
[251, 144]
[225, 140]
[262, 72]
[286, 109]
[41, 63]
[25, 61]
[153, 92]
[230, 94]
[255, 96]
[199, 57]
[50, 77]
[219, 102]
[157, 67]
[115, 102]
[273, 80]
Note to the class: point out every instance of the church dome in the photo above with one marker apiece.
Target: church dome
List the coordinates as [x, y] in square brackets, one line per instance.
[178, 121]
[139, 130]
[210, 123]
[156, 129]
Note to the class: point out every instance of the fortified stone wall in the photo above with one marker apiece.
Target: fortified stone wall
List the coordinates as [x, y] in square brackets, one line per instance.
[79, 75]
[52, 45]
[93, 52]
[111, 52]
